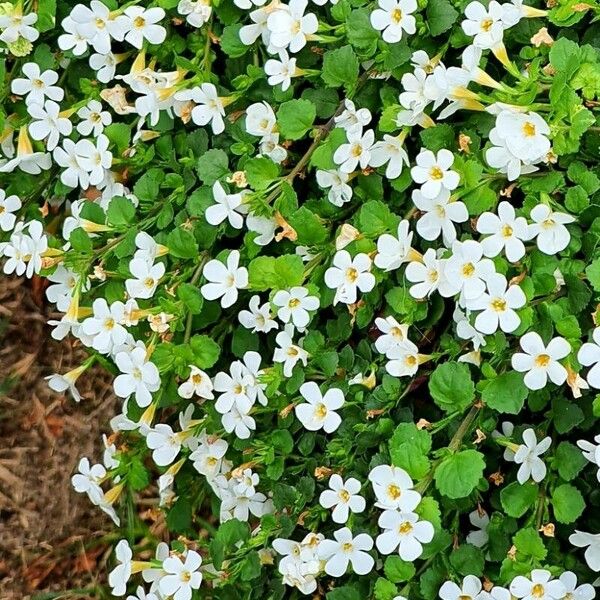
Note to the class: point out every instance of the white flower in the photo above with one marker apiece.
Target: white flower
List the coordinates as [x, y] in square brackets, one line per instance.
[343, 497]
[347, 275]
[393, 17]
[93, 119]
[351, 118]
[289, 27]
[389, 151]
[198, 383]
[138, 376]
[404, 531]
[105, 66]
[524, 134]
[48, 123]
[196, 12]
[209, 107]
[224, 279]
[413, 97]
[294, 305]
[585, 591]
[428, 276]
[393, 488]
[505, 232]
[258, 318]
[339, 190]
[119, 576]
[74, 174]
[260, 119]
[500, 157]
[26, 159]
[467, 271]
[393, 251]
[434, 174]
[72, 39]
[356, 152]
[471, 588]
[484, 24]
[105, 325]
[287, 352]
[549, 229]
[181, 577]
[208, 457]
[393, 334]
[318, 412]
[97, 26]
[228, 206]
[404, 359]
[440, 214]
[591, 542]
[143, 26]
[95, 158]
[345, 550]
[164, 443]
[480, 520]
[8, 206]
[498, 306]
[36, 86]
[539, 587]
[540, 362]
[238, 422]
[235, 389]
[62, 383]
[265, 228]
[88, 479]
[15, 25]
[589, 355]
[281, 71]
[147, 276]
[528, 456]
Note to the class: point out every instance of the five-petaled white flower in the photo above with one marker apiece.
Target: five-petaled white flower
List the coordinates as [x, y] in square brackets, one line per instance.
[433, 172]
[549, 229]
[403, 530]
[224, 280]
[393, 17]
[343, 497]
[393, 488]
[540, 586]
[540, 362]
[318, 412]
[181, 577]
[344, 550]
[528, 456]
[294, 305]
[589, 355]
[347, 275]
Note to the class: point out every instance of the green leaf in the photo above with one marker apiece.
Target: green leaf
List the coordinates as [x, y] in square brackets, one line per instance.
[179, 517]
[376, 218]
[182, 244]
[409, 447]
[266, 272]
[212, 165]
[340, 68]
[438, 137]
[346, 592]
[308, 226]
[529, 543]
[441, 15]
[468, 560]
[295, 118]
[384, 589]
[230, 41]
[567, 503]
[517, 499]
[451, 387]
[398, 570]
[361, 33]
[569, 460]
[46, 11]
[190, 296]
[593, 274]
[458, 474]
[506, 393]
[566, 415]
[120, 212]
[147, 186]
[260, 172]
[206, 351]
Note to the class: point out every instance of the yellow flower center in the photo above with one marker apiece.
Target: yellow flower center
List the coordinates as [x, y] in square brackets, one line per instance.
[506, 231]
[347, 547]
[405, 528]
[528, 129]
[436, 173]
[468, 269]
[321, 410]
[486, 24]
[100, 24]
[149, 282]
[393, 491]
[432, 275]
[293, 302]
[396, 16]
[542, 360]
[538, 590]
[109, 323]
[139, 22]
[196, 379]
[351, 274]
[411, 360]
[356, 150]
[344, 495]
[498, 304]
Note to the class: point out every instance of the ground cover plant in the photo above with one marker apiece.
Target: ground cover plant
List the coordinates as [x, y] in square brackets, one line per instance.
[342, 261]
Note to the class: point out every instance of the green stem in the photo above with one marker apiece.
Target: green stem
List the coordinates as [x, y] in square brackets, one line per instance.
[193, 281]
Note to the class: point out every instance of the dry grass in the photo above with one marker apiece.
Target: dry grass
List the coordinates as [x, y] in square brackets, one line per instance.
[50, 537]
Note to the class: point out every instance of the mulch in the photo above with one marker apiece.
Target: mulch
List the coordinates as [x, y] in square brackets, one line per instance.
[51, 539]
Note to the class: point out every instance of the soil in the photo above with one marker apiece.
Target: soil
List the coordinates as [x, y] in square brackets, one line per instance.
[51, 539]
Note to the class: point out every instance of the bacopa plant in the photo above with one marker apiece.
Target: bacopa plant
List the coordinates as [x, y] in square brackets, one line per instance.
[343, 261]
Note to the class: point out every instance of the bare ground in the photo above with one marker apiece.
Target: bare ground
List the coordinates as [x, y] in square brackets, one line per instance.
[51, 539]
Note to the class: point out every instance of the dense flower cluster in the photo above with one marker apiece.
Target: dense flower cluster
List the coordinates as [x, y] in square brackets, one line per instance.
[325, 248]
